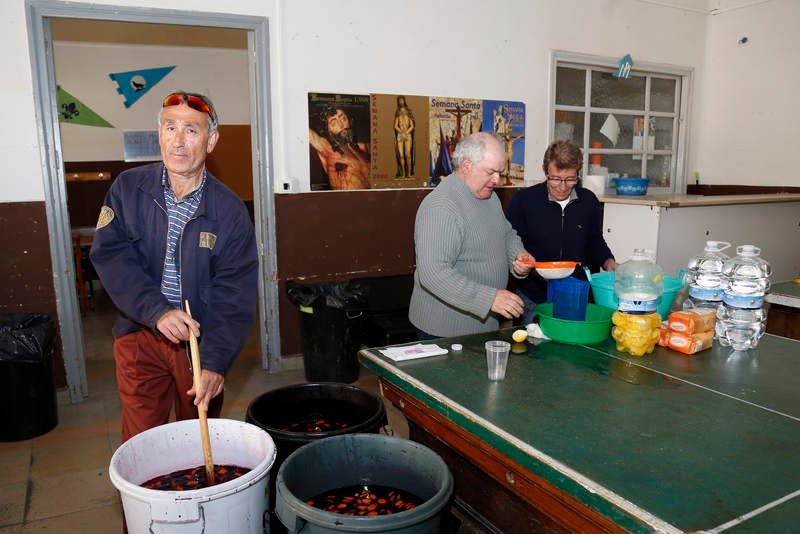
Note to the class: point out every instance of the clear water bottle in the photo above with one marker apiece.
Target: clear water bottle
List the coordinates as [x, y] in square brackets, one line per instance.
[704, 276]
[741, 320]
[740, 328]
[638, 283]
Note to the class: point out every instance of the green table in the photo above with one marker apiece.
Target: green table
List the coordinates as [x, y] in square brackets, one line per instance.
[582, 438]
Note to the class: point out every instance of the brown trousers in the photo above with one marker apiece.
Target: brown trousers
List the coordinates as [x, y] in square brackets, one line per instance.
[153, 376]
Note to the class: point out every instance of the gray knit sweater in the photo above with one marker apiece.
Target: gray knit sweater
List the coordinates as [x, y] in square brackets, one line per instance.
[464, 247]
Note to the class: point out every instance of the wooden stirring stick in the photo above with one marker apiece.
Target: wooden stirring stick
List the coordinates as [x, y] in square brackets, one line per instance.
[195, 352]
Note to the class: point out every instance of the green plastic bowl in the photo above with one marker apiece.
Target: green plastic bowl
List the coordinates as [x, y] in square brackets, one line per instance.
[596, 327]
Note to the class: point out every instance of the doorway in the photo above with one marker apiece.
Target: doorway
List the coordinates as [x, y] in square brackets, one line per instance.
[40, 15]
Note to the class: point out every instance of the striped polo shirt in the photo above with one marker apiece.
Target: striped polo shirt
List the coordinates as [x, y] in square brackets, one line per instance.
[179, 212]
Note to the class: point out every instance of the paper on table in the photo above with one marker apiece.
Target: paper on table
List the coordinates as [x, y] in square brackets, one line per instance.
[413, 352]
[610, 129]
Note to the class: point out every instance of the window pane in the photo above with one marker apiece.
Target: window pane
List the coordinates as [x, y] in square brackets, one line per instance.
[624, 129]
[610, 92]
[622, 165]
[662, 94]
[569, 125]
[643, 130]
[658, 170]
[570, 86]
[663, 130]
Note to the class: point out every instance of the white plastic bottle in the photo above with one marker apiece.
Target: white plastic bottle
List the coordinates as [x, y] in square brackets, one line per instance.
[741, 320]
[704, 276]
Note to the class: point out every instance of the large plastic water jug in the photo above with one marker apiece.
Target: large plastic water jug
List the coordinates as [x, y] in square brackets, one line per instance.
[741, 319]
[638, 283]
[746, 278]
[704, 273]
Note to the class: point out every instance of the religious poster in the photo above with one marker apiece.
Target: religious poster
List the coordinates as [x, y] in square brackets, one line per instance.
[399, 141]
[507, 121]
[339, 141]
[450, 120]
[390, 141]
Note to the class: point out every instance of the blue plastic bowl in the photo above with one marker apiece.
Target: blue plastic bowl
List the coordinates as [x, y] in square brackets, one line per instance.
[603, 290]
[632, 186]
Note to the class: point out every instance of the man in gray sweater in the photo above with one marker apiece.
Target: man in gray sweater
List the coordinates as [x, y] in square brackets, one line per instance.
[465, 248]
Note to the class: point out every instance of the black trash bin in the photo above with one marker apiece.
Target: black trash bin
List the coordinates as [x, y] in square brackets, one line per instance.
[330, 320]
[26, 376]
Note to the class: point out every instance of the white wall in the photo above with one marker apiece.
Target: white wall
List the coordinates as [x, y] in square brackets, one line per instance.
[21, 178]
[82, 70]
[747, 107]
[469, 48]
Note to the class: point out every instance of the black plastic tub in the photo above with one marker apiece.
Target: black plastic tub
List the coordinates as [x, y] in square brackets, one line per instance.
[276, 410]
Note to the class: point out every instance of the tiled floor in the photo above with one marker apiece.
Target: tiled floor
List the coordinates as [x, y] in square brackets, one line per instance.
[59, 482]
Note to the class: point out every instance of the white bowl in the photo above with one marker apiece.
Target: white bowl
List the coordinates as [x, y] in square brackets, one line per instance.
[555, 273]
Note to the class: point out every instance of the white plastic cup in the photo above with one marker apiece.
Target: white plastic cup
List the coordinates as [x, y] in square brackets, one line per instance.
[497, 358]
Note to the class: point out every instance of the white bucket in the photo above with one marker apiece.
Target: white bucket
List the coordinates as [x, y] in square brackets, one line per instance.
[239, 505]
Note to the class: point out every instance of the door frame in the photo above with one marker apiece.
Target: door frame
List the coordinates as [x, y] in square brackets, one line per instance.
[46, 106]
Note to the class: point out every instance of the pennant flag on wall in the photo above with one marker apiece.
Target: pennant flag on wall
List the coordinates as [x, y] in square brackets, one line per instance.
[72, 110]
[624, 68]
[133, 84]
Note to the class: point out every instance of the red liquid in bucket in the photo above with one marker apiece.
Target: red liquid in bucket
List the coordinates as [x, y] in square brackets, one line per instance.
[315, 425]
[365, 500]
[195, 478]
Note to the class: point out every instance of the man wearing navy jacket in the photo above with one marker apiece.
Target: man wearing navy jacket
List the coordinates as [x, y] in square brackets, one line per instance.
[170, 232]
[558, 221]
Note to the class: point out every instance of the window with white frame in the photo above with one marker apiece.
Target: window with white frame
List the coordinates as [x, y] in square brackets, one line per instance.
[627, 127]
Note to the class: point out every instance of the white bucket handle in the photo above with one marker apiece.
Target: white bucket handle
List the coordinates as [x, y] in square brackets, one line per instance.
[176, 511]
[299, 524]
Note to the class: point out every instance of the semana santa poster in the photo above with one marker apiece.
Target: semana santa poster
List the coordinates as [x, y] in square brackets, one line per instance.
[339, 141]
[506, 119]
[399, 141]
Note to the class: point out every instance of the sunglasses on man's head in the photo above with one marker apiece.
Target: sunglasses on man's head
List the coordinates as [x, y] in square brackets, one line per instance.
[196, 102]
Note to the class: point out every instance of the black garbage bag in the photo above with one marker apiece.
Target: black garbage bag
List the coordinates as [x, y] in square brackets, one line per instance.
[25, 337]
[330, 325]
[352, 295]
[26, 376]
